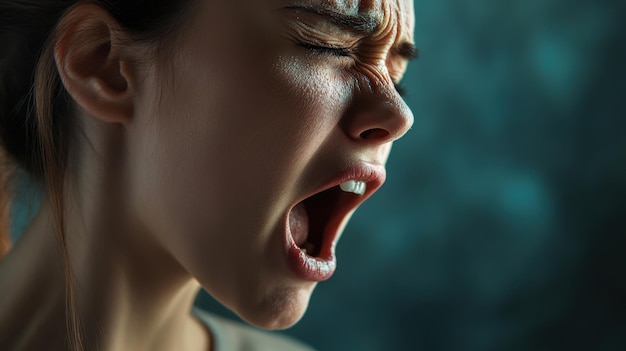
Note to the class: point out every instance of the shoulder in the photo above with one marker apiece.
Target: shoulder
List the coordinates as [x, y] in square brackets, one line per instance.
[231, 336]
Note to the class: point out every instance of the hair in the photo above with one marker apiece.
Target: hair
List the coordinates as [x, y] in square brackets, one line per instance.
[37, 126]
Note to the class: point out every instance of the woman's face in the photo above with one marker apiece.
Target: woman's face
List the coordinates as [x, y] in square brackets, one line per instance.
[239, 148]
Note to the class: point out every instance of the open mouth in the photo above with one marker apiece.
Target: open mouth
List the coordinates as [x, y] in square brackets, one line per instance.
[313, 224]
[314, 221]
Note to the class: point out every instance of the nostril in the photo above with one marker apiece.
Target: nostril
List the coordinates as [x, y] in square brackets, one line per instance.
[374, 134]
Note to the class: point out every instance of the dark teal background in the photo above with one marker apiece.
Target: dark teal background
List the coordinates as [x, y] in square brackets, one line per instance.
[501, 226]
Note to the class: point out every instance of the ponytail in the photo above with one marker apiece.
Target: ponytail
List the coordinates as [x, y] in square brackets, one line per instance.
[6, 172]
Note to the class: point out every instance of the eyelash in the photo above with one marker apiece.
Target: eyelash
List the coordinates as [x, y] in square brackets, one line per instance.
[344, 52]
[327, 50]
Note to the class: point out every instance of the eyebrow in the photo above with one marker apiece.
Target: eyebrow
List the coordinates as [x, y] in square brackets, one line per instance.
[360, 24]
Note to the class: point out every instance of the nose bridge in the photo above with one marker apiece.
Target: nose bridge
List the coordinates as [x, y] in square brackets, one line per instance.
[378, 114]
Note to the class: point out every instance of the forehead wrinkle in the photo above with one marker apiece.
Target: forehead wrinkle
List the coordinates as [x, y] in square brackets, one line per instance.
[347, 7]
[371, 8]
[408, 20]
[403, 45]
[362, 24]
[371, 14]
[390, 13]
[386, 15]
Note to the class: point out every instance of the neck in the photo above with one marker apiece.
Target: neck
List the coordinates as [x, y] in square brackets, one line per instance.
[130, 293]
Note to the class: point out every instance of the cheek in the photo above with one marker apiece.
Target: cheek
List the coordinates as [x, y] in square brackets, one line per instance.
[319, 94]
[227, 141]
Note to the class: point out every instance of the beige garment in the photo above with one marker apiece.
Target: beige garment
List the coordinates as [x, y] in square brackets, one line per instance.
[229, 335]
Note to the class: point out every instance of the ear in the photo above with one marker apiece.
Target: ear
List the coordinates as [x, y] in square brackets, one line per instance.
[89, 52]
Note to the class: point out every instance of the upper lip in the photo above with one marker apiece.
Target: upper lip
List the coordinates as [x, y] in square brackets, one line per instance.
[374, 177]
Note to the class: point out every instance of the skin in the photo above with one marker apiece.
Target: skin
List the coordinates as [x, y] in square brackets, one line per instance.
[188, 169]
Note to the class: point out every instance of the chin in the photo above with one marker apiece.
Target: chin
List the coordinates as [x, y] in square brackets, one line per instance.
[279, 310]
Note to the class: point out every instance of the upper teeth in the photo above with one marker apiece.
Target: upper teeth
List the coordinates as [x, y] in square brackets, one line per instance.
[353, 186]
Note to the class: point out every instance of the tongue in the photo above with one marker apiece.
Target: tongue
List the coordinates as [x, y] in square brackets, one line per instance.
[299, 223]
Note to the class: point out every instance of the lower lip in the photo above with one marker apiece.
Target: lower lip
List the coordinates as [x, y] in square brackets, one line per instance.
[305, 267]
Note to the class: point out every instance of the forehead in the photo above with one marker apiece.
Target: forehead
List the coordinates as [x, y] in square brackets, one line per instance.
[401, 10]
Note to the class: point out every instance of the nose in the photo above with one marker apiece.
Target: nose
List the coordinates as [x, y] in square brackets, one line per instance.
[377, 115]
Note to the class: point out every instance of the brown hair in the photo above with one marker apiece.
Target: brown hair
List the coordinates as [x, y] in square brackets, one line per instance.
[37, 127]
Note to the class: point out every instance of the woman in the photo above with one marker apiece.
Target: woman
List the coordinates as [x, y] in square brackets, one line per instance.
[188, 144]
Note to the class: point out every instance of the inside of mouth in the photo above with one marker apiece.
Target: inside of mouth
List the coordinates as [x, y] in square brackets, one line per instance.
[310, 219]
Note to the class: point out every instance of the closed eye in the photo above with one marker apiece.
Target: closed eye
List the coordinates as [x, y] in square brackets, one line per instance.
[327, 50]
[344, 52]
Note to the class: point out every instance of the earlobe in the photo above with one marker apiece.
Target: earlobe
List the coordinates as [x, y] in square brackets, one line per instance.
[89, 55]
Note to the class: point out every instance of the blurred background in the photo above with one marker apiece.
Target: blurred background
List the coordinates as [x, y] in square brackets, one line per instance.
[501, 226]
